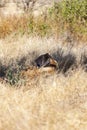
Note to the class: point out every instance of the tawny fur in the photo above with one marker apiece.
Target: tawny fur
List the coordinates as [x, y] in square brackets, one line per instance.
[31, 73]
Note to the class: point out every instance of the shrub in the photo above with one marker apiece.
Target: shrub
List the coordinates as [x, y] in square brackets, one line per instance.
[71, 15]
[63, 16]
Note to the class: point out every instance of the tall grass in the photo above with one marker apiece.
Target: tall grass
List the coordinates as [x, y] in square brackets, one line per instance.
[34, 101]
[54, 102]
[18, 56]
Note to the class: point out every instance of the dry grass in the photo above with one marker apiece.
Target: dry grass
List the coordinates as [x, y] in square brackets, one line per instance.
[43, 25]
[12, 24]
[52, 103]
[48, 101]
[21, 52]
[63, 17]
[31, 99]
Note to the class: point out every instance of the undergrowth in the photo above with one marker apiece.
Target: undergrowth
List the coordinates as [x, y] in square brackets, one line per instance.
[64, 16]
[11, 72]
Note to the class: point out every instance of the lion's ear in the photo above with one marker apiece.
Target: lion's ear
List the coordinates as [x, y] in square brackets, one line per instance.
[53, 62]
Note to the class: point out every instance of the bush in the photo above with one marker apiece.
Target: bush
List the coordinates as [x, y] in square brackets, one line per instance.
[71, 15]
[70, 10]
[67, 15]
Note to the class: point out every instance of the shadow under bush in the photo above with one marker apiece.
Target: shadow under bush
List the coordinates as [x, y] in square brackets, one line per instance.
[11, 72]
[83, 61]
[65, 62]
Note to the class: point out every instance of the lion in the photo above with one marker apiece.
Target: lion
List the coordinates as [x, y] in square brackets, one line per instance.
[43, 64]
